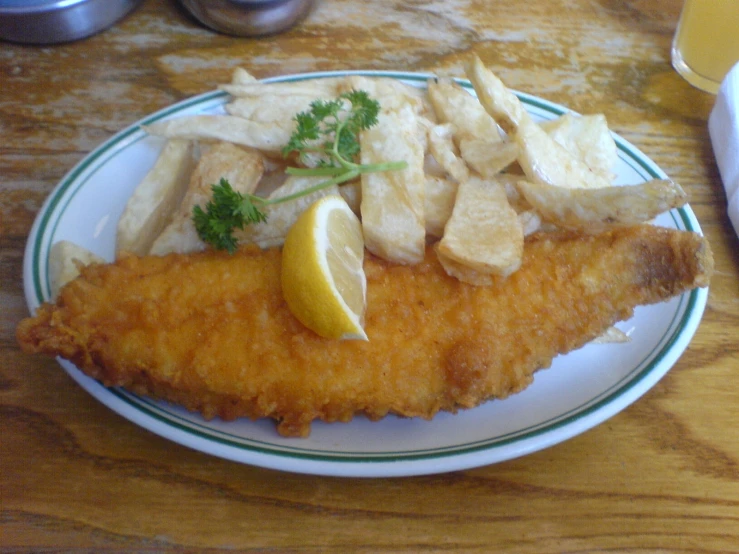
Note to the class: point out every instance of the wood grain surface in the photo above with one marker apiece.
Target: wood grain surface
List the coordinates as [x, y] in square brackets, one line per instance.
[661, 476]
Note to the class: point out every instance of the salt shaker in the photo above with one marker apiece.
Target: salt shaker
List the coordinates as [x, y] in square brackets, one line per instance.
[248, 18]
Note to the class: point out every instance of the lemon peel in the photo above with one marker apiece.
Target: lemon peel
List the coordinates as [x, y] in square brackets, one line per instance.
[323, 280]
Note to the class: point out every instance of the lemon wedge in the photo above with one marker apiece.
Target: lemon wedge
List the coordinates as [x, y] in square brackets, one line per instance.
[323, 280]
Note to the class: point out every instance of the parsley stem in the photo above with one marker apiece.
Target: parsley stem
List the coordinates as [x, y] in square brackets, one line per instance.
[343, 178]
[314, 171]
[367, 168]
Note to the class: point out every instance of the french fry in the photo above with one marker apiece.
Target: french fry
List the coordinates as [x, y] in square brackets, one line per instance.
[278, 110]
[483, 232]
[431, 167]
[265, 137]
[502, 104]
[352, 193]
[65, 260]
[488, 158]
[543, 160]
[595, 210]
[476, 133]
[241, 76]
[442, 148]
[530, 222]
[392, 95]
[393, 201]
[318, 88]
[243, 168]
[281, 216]
[462, 272]
[156, 198]
[440, 195]
[510, 184]
[452, 104]
[588, 138]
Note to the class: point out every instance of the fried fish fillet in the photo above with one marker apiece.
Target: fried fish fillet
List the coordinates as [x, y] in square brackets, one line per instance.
[212, 332]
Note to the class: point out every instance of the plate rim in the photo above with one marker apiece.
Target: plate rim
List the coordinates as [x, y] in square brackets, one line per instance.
[596, 410]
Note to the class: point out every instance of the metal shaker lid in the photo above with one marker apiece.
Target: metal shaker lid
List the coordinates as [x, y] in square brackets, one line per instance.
[54, 21]
[248, 18]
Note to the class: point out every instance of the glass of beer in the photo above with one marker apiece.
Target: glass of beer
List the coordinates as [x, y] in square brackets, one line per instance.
[706, 43]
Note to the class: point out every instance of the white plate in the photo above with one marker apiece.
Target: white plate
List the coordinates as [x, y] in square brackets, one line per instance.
[581, 390]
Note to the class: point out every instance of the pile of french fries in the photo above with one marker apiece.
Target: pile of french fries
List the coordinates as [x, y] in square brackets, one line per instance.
[481, 173]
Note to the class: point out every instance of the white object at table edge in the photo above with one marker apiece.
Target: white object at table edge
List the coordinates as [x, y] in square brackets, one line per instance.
[723, 126]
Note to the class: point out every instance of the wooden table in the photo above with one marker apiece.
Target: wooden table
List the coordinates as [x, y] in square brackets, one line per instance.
[663, 475]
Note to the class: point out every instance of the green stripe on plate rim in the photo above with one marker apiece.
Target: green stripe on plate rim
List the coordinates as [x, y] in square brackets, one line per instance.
[79, 175]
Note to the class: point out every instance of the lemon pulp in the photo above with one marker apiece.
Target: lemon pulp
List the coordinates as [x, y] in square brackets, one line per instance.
[323, 280]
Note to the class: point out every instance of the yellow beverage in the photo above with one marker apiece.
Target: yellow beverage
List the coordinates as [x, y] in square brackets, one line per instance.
[706, 43]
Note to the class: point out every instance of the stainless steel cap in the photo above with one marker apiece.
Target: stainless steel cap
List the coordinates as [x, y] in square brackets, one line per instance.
[54, 21]
[248, 18]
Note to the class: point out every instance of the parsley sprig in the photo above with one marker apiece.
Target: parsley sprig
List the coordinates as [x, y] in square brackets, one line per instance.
[327, 136]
